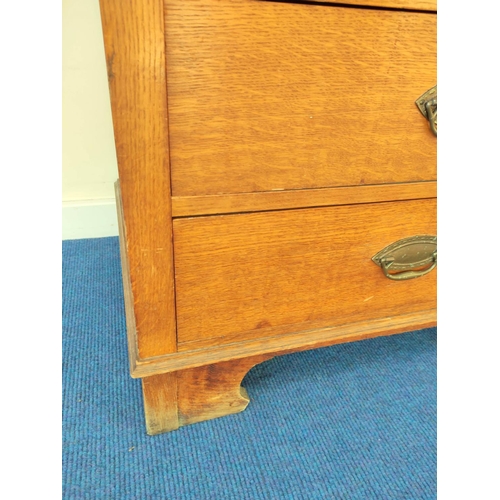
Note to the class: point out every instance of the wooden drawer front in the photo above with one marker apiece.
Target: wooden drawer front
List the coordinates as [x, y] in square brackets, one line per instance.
[248, 276]
[268, 96]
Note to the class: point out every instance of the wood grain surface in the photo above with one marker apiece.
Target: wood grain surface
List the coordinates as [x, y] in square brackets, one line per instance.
[214, 390]
[133, 353]
[160, 403]
[134, 44]
[172, 400]
[286, 343]
[299, 198]
[269, 96]
[271, 106]
[265, 274]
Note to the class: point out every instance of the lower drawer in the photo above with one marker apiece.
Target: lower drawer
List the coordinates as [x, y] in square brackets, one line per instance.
[247, 276]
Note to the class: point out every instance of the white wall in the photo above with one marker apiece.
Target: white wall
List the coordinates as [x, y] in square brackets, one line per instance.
[89, 167]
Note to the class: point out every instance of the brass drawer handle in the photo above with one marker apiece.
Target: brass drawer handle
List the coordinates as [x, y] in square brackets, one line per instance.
[427, 104]
[406, 275]
[408, 258]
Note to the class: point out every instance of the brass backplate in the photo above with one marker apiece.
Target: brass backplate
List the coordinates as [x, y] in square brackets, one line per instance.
[425, 98]
[408, 253]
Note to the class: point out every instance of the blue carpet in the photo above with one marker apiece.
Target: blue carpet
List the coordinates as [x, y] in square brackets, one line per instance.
[352, 421]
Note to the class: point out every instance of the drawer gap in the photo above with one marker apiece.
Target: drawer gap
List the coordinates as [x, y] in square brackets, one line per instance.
[350, 6]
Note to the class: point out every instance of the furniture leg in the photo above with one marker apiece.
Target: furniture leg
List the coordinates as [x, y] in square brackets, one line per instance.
[172, 400]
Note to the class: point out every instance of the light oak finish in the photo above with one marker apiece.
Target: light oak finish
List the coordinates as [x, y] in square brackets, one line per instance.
[135, 55]
[160, 403]
[133, 352]
[296, 153]
[253, 275]
[189, 396]
[265, 96]
[183, 206]
[283, 344]
[213, 391]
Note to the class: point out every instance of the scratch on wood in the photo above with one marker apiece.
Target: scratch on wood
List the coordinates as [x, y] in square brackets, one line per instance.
[109, 65]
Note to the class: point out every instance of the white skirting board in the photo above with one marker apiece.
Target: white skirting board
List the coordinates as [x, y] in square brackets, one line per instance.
[89, 219]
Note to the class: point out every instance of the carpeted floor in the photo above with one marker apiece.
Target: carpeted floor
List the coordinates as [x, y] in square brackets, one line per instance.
[353, 421]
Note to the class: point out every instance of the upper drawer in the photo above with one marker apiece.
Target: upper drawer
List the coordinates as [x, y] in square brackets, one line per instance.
[268, 96]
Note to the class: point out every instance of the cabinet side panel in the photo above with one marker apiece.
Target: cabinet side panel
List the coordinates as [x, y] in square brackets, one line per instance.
[135, 56]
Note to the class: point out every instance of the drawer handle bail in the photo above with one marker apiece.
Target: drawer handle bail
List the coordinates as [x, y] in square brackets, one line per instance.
[427, 104]
[408, 258]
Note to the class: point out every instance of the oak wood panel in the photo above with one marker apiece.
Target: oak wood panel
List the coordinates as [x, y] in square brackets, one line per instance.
[127, 285]
[266, 96]
[283, 344]
[254, 275]
[188, 396]
[214, 390]
[134, 44]
[300, 198]
[160, 403]
[429, 5]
